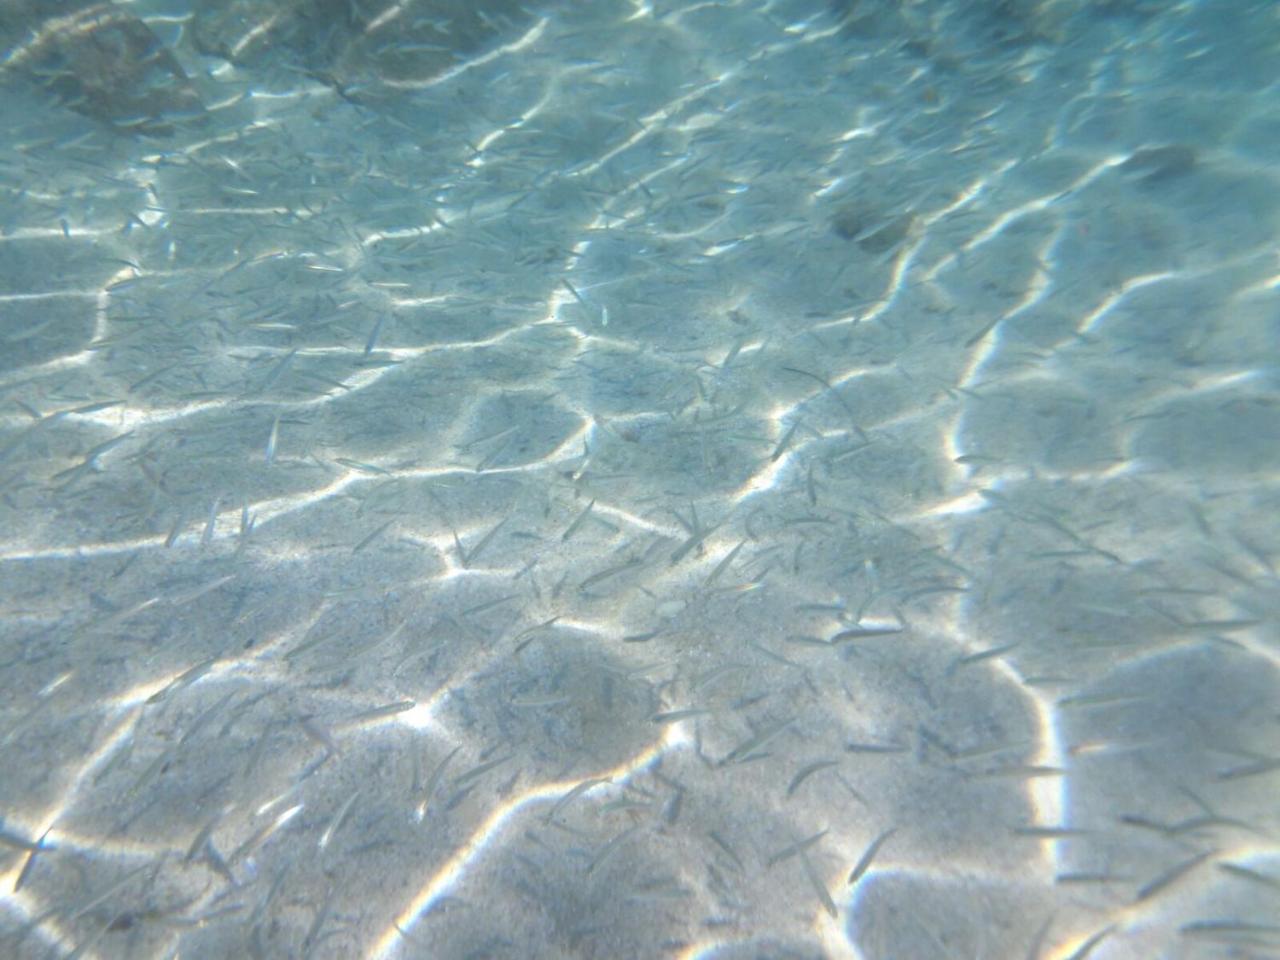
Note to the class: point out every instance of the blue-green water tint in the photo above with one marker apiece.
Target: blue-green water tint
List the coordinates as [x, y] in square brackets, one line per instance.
[631, 479]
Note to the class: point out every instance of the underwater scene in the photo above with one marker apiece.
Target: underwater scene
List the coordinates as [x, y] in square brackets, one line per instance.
[610, 479]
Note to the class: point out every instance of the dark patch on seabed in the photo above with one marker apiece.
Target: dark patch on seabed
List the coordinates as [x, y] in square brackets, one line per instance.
[101, 59]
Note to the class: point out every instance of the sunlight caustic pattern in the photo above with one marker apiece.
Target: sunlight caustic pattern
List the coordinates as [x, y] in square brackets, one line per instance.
[772, 478]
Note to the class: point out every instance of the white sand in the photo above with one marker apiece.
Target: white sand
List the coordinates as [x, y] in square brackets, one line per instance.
[797, 427]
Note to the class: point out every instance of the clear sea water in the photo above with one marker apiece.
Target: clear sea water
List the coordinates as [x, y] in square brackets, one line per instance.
[598, 479]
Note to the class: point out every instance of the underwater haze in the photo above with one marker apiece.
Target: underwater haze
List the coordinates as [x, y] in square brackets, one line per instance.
[746, 480]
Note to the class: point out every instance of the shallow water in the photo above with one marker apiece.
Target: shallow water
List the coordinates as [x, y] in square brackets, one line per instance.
[758, 479]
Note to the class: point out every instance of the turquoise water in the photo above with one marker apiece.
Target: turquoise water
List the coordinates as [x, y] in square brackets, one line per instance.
[622, 479]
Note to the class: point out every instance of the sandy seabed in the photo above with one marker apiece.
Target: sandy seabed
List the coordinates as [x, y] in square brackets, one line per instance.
[694, 480]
